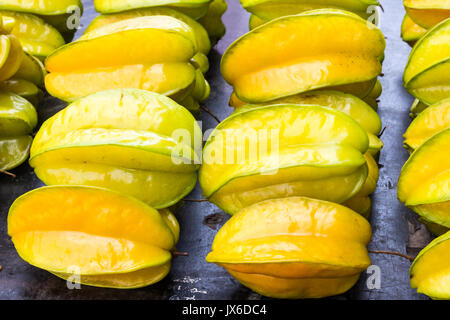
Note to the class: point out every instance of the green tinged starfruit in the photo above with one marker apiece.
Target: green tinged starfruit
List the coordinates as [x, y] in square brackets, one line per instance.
[61, 14]
[203, 42]
[111, 240]
[212, 20]
[430, 272]
[356, 108]
[133, 141]
[266, 10]
[37, 37]
[18, 118]
[432, 120]
[193, 8]
[427, 72]
[286, 150]
[424, 181]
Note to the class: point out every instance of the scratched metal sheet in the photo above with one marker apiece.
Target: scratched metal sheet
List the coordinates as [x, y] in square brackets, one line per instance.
[395, 228]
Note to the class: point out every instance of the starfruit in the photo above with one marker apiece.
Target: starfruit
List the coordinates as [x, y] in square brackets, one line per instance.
[151, 53]
[55, 12]
[424, 181]
[427, 72]
[203, 42]
[212, 20]
[266, 10]
[360, 111]
[31, 69]
[193, 8]
[36, 36]
[430, 272]
[104, 238]
[23, 88]
[279, 151]
[11, 56]
[411, 32]
[295, 248]
[429, 122]
[279, 58]
[18, 118]
[427, 13]
[416, 108]
[127, 140]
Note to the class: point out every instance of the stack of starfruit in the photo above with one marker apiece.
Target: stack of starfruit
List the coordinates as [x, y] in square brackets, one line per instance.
[297, 150]
[111, 160]
[422, 15]
[156, 49]
[424, 181]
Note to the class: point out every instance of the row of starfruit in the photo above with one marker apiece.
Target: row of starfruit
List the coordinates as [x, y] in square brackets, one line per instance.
[424, 181]
[301, 205]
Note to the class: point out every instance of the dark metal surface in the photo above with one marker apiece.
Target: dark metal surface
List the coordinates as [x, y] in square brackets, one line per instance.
[191, 277]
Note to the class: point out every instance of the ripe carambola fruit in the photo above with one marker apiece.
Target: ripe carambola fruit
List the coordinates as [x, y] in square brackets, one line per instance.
[133, 141]
[93, 236]
[151, 53]
[430, 165]
[427, 73]
[280, 58]
[430, 272]
[432, 120]
[427, 13]
[294, 248]
[18, 118]
[279, 151]
[193, 8]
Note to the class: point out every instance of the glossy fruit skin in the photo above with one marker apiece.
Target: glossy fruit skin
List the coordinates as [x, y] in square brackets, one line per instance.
[428, 164]
[360, 111]
[195, 9]
[430, 270]
[427, 13]
[146, 64]
[122, 140]
[131, 250]
[249, 76]
[426, 73]
[18, 118]
[411, 32]
[432, 120]
[36, 36]
[212, 20]
[203, 42]
[267, 10]
[296, 248]
[55, 12]
[305, 162]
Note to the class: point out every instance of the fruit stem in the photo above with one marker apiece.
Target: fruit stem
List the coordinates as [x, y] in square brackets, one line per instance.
[210, 113]
[180, 254]
[8, 173]
[395, 253]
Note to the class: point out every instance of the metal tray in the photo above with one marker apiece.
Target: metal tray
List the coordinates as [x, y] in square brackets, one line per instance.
[394, 227]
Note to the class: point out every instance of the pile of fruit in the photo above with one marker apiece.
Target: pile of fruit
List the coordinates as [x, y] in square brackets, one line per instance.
[424, 181]
[299, 147]
[111, 159]
[156, 46]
